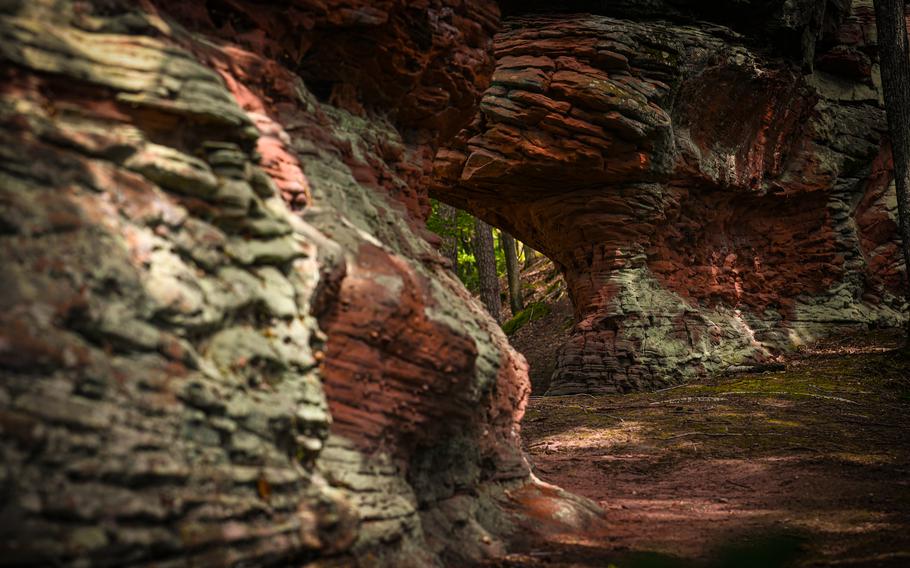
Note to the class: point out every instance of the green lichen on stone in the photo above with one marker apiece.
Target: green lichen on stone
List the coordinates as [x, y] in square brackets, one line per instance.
[531, 313]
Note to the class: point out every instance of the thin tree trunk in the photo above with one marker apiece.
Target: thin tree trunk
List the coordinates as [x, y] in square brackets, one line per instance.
[512, 271]
[530, 255]
[449, 216]
[485, 255]
[465, 243]
[894, 53]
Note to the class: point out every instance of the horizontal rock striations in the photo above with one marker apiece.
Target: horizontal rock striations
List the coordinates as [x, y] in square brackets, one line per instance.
[708, 203]
[223, 339]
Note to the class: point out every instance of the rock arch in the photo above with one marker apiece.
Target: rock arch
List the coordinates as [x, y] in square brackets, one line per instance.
[708, 202]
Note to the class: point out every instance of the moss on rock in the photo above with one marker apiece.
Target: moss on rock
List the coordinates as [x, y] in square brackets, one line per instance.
[533, 312]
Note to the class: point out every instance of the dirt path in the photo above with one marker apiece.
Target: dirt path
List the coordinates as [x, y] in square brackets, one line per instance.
[807, 467]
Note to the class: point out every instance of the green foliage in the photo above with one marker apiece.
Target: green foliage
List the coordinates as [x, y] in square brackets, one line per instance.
[532, 313]
[500, 255]
[467, 270]
[463, 232]
[464, 223]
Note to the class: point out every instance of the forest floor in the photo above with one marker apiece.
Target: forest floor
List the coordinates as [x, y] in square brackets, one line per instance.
[809, 466]
[539, 339]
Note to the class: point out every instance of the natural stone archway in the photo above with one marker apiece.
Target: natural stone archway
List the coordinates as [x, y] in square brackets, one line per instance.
[225, 338]
[709, 204]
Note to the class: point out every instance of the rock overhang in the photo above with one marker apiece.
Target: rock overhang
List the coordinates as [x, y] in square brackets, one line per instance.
[690, 187]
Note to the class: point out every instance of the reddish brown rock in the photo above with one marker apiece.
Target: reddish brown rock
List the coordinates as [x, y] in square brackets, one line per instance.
[708, 205]
[421, 65]
[223, 339]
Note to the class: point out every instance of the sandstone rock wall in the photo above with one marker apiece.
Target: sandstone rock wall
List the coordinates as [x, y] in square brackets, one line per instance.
[223, 338]
[709, 201]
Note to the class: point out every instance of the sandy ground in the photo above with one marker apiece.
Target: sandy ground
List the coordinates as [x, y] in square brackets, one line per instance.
[805, 467]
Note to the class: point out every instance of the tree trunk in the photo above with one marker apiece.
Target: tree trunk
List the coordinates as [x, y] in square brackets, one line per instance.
[530, 256]
[512, 271]
[449, 216]
[894, 54]
[485, 255]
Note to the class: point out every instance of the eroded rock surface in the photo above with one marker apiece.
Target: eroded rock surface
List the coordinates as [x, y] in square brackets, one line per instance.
[223, 338]
[708, 202]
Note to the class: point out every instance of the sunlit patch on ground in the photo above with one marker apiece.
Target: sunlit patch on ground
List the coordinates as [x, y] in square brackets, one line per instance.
[806, 466]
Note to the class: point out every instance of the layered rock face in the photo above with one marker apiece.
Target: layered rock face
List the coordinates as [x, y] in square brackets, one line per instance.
[223, 338]
[708, 202]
